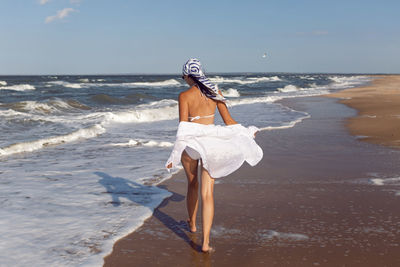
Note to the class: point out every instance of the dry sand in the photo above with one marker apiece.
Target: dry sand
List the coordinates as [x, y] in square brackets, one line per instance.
[309, 202]
[378, 106]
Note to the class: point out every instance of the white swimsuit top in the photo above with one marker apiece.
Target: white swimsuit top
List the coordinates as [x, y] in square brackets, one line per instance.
[200, 117]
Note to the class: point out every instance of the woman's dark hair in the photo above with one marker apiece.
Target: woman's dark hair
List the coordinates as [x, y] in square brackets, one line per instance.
[202, 87]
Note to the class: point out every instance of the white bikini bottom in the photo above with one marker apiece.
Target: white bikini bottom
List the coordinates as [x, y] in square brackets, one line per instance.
[192, 153]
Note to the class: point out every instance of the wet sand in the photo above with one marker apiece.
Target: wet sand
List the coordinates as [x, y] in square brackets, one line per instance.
[311, 201]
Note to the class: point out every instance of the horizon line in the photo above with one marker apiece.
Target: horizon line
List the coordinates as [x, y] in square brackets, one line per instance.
[209, 73]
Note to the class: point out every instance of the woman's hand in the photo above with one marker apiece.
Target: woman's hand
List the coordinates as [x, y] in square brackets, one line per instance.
[255, 133]
[169, 166]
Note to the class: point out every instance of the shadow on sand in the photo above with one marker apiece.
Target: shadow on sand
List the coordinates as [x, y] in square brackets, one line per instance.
[121, 188]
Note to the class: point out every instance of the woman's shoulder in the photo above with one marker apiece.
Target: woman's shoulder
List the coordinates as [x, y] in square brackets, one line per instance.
[188, 93]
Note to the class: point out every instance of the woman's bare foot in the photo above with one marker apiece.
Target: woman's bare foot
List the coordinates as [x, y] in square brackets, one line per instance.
[207, 249]
[192, 226]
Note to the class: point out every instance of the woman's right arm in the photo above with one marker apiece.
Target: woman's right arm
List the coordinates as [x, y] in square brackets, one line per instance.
[183, 108]
[226, 116]
[183, 113]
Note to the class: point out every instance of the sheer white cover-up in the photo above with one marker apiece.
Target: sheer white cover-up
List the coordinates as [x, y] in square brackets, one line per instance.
[223, 149]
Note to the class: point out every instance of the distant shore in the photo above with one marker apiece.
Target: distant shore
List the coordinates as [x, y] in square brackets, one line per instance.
[378, 106]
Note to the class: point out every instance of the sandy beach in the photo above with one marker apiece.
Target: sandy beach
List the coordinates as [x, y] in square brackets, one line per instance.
[319, 197]
[378, 119]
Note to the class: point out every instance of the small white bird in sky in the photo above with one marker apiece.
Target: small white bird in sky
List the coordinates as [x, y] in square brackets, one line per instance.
[265, 55]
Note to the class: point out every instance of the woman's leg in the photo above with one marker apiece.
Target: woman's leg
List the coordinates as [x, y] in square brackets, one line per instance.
[207, 198]
[192, 198]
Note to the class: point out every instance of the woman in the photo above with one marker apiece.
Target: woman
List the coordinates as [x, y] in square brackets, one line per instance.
[220, 149]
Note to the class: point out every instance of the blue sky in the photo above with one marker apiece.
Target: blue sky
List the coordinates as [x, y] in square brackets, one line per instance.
[111, 37]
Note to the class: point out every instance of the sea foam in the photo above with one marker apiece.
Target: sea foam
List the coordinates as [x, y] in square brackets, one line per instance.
[18, 87]
[66, 84]
[166, 109]
[253, 100]
[86, 84]
[41, 143]
[385, 181]
[288, 88]
[286, 125]
[339, 82]
[250, 80]
[230, 93]
[48, 106]
[307, 78]
[265, 79]
[271, 234]
[141, 142]
[166, 83]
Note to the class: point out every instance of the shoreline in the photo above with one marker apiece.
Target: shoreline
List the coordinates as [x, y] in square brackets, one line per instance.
[164, 232]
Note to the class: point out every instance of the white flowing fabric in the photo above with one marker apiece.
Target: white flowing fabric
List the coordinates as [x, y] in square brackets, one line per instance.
[223, 149]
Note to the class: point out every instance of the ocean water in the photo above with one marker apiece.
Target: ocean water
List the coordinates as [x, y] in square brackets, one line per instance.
[80, 155]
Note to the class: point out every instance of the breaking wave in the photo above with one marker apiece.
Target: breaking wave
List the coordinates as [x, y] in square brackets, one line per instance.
[230, 93]
[166, 83]
[41, 143]
[347, 81]
[337, 83]
[18, 87]
[166, 109]
[288, 88]
[253, 100]
[49, 106]
[65, 84]
[307, 77]
[86, 84]
[251, 80]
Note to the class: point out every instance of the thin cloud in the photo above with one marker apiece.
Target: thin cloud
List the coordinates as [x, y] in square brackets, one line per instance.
[312, 33]
[60, 14]
[319, 33]
[43, 2]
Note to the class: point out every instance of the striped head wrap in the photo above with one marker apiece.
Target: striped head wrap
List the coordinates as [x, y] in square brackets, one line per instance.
[193, 67]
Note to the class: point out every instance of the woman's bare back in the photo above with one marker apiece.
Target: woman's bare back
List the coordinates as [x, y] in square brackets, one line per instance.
[198, 106]
[193, 103]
